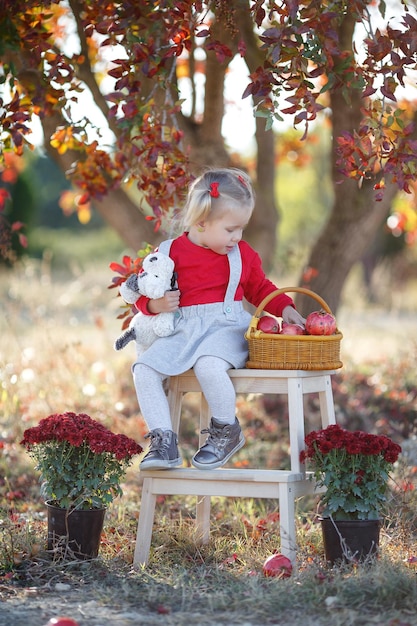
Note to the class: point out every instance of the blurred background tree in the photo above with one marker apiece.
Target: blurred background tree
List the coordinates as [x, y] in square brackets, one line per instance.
[132, 103]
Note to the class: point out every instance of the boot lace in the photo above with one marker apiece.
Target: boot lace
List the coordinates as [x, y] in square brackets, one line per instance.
[160, 442]
[217, 437]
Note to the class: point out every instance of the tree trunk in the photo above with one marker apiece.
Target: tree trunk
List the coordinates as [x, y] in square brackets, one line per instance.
[204, 137]
[353, 224]
[262, 229]
[355, 217]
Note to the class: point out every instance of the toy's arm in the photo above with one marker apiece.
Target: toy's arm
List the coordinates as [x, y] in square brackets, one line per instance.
[129, 290]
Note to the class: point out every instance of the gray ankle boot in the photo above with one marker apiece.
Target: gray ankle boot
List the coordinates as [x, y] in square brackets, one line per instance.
[163, 451]
[223, 440]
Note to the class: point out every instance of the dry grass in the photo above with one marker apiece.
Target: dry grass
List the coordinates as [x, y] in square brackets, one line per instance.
[56, 354]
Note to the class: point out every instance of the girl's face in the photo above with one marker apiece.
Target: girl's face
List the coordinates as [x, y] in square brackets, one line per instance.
[223, 233]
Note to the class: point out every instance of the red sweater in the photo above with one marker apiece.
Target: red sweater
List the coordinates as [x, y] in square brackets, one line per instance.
[203, 276]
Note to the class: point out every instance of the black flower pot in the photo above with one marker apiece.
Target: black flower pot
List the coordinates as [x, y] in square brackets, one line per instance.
[75, 532]
[350, 540]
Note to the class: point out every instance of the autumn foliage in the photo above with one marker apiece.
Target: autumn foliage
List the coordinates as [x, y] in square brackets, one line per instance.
[135, 50]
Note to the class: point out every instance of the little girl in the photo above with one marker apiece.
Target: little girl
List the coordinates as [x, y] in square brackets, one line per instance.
[216, 270]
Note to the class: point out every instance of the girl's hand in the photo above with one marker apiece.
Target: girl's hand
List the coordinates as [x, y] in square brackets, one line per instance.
[169, 303]
[292, 316]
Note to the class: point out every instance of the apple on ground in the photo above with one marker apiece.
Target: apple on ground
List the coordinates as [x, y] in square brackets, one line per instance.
[277, 565]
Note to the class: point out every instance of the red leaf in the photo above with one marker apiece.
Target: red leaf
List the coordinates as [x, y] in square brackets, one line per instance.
[84, 199]
[388, 88]
[4, 195]
[17, 226]
[241, 46]
[23, 240]
[221, 50]
[248, 91]
[116, 267]
[290, 110]
[259, 15]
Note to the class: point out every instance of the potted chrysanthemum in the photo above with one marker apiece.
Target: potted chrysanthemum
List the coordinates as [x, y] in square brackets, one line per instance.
[354, 468]
[81, 465]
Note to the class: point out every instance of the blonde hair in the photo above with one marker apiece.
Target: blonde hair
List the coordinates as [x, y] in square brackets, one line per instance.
[216, 191]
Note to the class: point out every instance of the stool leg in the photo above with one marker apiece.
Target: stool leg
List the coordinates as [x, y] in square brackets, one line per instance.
[296, 419]
[327, 404]
[203, 508]
[287, 521]
[202, 526]
[145, 524]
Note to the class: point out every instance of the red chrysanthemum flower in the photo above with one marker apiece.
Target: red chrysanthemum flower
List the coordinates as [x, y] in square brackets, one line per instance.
[353, 467]
[81, 461]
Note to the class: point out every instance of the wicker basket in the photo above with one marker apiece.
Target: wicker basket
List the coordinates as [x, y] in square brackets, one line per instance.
[292, 352]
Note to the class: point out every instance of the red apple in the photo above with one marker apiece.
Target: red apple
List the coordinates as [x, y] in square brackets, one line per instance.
[292, 329]
[268, 324]
[320, 323]
[277, 565]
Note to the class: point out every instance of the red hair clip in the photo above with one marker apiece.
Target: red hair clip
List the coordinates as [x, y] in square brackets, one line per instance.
[214, 190]
[241, 180]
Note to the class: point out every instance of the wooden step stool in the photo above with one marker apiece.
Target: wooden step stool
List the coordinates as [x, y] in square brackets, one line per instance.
[284, 486]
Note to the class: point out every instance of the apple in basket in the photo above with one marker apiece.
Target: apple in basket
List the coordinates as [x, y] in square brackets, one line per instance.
[320, 323]
[268, 324]
[292, 329]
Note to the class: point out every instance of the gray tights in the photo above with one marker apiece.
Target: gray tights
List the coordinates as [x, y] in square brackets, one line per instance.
[211, 372]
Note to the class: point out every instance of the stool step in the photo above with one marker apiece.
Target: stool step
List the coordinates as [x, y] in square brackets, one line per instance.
[228, 482]
[221, 474]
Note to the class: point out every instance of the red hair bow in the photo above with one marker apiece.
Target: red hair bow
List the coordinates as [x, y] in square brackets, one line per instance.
[214, 190]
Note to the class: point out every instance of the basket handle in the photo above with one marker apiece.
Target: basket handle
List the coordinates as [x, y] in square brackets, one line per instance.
[278, 292]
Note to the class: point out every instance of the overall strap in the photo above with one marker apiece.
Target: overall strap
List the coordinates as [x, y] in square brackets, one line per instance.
[165, 246]
[235, 264]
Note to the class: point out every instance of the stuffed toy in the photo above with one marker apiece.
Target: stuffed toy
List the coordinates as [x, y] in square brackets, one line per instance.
[157, 277]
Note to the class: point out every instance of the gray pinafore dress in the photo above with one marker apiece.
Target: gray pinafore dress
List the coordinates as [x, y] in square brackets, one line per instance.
[215, 329]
